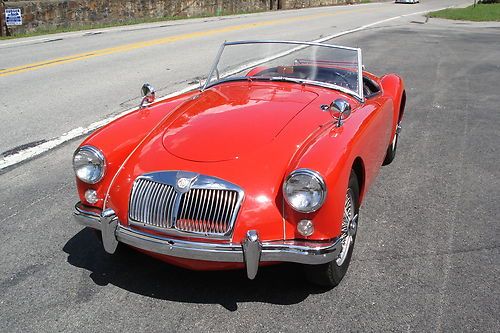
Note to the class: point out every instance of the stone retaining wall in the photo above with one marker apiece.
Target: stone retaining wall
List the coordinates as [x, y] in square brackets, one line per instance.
[49, 14]
[290, 4]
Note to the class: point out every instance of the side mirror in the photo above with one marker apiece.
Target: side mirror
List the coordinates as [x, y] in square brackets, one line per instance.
[148, 94]
[340, 110]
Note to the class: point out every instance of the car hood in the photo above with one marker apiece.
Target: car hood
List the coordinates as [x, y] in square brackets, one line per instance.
[267, 139]
[230, 120]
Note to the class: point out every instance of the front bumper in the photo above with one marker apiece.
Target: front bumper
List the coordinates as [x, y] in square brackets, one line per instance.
[250, 251]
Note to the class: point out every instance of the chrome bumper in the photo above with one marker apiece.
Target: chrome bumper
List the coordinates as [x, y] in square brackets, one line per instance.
[251, 251]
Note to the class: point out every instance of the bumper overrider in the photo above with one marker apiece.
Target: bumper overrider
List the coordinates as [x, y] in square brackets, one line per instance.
[250, 251]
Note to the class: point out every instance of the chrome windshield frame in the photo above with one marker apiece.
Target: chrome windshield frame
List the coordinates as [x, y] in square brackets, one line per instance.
[359, 94]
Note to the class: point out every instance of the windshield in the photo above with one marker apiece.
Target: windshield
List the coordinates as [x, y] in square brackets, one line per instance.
[325, 65]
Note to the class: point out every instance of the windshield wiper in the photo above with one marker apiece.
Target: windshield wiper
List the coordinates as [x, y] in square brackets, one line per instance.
[287, 79]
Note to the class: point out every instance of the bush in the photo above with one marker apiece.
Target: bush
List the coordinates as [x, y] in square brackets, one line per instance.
[489, 1]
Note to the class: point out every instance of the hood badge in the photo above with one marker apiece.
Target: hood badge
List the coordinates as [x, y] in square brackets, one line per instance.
[184, 180]
[182, 183]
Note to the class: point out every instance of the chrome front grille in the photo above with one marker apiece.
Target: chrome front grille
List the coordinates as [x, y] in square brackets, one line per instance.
[153, 203]
[208, 206]
[207, 211]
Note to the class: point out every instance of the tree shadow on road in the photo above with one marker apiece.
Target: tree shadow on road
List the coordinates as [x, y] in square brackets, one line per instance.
[133, 271]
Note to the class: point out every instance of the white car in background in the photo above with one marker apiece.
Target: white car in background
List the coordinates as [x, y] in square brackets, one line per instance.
[406, 1]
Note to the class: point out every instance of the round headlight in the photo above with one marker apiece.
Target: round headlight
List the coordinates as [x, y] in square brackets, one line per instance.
[89, 164]
[304, 190]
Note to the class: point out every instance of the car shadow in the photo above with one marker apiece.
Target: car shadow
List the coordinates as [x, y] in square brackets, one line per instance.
[138, 273]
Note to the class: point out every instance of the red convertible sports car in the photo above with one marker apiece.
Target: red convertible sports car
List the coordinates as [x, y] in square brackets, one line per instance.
[267, 162]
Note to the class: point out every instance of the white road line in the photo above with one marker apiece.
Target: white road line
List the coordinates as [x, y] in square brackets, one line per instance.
[29, 153]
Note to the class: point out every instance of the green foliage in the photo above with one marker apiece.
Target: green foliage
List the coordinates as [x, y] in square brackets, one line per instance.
[480, 12]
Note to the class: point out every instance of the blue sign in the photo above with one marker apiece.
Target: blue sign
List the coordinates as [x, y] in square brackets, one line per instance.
[13, 16]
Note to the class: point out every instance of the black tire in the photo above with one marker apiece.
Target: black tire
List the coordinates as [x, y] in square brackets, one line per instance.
[391, 150]
[330, 274]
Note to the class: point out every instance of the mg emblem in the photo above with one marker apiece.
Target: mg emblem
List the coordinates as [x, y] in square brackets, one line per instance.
[182, 183]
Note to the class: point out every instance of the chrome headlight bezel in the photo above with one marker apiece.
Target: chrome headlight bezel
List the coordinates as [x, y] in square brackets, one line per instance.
[98, 161]
[319, 183]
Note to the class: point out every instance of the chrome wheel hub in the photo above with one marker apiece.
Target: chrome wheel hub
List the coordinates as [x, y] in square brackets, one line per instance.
[394, 140]
[353, 226]
[349, 226]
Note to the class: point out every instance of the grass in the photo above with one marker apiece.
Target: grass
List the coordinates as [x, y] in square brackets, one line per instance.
[481, 12]
[56, 30]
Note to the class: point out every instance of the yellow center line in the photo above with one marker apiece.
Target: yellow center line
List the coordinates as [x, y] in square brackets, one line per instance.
[165, 40]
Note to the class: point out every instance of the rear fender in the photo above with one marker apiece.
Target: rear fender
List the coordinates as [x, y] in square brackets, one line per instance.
[256, 70]
[393, 87]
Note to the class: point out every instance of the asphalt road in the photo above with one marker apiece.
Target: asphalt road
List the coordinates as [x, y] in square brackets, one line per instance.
[52, 85]
[427, 253]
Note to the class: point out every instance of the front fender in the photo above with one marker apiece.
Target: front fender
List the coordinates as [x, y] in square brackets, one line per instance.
[359, 144]
[119, 138]
[329, 154]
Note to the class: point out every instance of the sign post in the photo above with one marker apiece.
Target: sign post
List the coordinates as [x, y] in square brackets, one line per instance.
[1, 18]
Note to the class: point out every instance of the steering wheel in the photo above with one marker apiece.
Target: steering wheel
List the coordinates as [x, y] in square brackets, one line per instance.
[343, 78]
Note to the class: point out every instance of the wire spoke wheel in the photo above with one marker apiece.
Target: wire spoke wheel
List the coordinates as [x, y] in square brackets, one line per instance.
[330, 274]
[394, 140]
[391, 150]
[348, 227]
